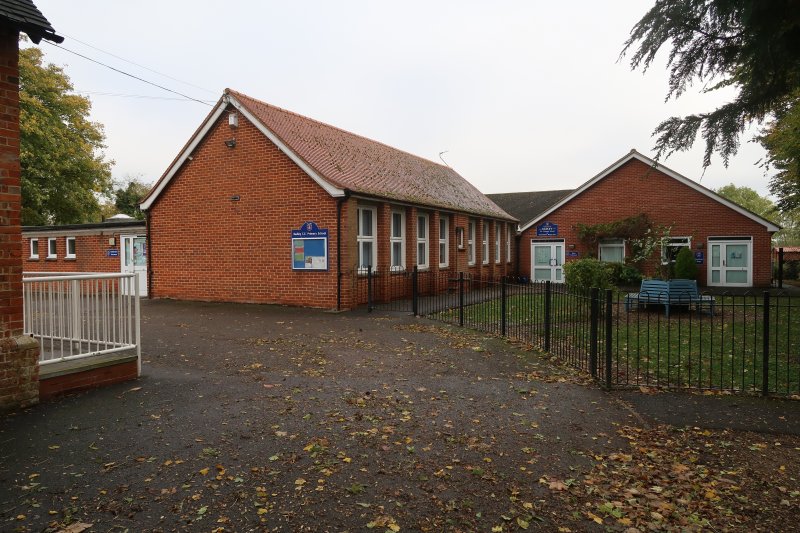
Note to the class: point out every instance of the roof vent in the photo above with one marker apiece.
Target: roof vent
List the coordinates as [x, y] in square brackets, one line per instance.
[233, 120]
[119, 217]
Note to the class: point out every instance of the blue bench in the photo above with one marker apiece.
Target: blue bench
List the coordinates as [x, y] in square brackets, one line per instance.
[667, 293]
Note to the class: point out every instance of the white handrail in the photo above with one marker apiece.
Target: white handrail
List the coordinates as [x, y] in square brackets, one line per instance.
[82, 315]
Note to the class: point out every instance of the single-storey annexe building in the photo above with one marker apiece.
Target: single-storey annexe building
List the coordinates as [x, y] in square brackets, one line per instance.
[731, 245]
[117, 244]
[267, 206]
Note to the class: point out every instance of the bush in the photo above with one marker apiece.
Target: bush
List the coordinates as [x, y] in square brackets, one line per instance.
[626, 275]
[685, 265]
[588, 273]
[791, 269]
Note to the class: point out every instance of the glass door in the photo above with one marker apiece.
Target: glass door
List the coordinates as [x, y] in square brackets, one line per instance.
[730, 264]
[547, 260]
[134, 259]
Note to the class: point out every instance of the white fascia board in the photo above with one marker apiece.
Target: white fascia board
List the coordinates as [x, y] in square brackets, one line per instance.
[329, 188]
[212, 119]
[669, 172]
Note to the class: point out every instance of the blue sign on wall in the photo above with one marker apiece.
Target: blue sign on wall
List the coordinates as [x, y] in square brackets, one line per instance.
[699, 257]
[547, 229]
[310, 247]
[573, 254]
[113, 252]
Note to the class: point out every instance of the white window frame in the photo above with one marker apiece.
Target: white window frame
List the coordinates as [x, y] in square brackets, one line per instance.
[673, 243]
[52, 248]
[471, 243]
[397, 265]
[74, 249]
[444, 242]
[423, 240]
[611, 243]
[361, 238]
[508, 243]
[497, 238]
[485, 243]
[34, 241]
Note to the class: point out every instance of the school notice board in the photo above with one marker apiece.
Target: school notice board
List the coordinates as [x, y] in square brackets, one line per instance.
[310, 248]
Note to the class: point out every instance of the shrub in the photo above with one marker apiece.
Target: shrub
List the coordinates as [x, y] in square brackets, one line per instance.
[685, 265]
[588, 273]
[791, 269]
[626, 275]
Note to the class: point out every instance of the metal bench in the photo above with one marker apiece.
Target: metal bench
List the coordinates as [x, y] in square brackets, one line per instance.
[669, 293]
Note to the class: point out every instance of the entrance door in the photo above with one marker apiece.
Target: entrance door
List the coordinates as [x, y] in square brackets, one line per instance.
[547, 260]
[731, 263]
[134, 259]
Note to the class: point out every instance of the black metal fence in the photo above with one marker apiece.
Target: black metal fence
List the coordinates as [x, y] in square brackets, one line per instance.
[741, 343]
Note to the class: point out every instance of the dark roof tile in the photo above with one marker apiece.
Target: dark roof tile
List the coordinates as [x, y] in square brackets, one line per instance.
[27, 17]
[528, 205]
[370, 168]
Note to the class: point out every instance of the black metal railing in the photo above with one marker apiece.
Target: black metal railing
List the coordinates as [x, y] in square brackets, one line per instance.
[736, 342]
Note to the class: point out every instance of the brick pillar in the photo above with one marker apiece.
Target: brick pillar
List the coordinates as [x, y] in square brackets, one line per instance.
[433, 252]
[19, 355]
[383, 283]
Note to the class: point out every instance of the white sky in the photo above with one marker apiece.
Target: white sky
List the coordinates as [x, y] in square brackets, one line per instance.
[523, 95]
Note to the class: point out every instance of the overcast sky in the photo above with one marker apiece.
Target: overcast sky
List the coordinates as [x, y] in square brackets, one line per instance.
[523, 95]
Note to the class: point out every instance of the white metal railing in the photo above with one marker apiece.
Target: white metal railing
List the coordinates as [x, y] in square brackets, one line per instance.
[81, 315]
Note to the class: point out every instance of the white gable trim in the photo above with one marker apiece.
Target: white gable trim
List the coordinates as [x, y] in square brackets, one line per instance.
[200, 135]
[669, 172]
[329, 188]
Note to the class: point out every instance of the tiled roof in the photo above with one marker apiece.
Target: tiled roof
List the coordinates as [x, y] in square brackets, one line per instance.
[528, 205]
[27, 17]
[370, 168]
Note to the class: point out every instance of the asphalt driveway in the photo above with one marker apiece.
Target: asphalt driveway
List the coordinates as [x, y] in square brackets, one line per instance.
[251, 418]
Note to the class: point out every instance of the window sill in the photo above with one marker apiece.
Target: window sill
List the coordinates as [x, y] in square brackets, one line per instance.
[51, 258]
[33, 258]
[73, 258]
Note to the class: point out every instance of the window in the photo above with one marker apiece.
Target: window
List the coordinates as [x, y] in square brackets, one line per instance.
[496, 242]
[485, 243]
[460, 237]
[670, 247]
[52, 250]
[471, 242]
[444, 242]
[397, 240]
[34, 248]
[508, 243]
[612, 250]
[366, 239]
[422, 241]
[70, 248]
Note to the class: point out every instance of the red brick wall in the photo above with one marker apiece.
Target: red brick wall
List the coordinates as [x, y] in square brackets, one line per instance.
[90, 379]
[91, 253]
[18, 356]
[631, 190]
[205, 246]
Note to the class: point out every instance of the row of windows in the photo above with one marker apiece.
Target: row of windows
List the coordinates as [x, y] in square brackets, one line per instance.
[52, 248]
[613, 250]
[367, 240]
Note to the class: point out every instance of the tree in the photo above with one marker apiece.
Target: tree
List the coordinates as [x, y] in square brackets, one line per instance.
[762, 206]
[127, 198]
[781, 138]
[750, 200]
[751, 45]
[63, 166]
